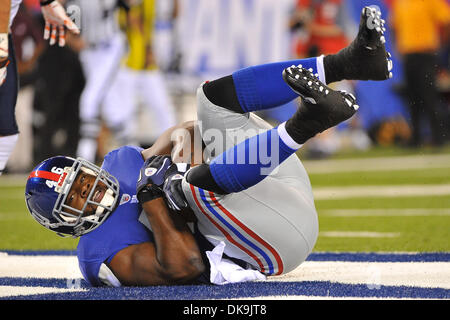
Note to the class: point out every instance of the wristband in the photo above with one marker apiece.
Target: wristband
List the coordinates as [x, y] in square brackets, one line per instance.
[45, 2]
[149, 193]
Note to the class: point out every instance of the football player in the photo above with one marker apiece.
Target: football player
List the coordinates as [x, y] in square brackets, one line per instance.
[138, 77]
[56, 21]
[246, 211]
[100, 58]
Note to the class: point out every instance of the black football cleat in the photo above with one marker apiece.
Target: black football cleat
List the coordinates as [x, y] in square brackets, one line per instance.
[321, 107]
[366, 57]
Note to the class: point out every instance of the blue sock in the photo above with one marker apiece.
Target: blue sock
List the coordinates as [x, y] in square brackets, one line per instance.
[262, 86]
[250, 161]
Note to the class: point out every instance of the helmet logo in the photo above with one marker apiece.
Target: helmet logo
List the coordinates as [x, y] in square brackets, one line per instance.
[61, 179]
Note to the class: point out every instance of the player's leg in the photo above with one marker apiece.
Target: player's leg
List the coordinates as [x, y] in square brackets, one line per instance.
[266, 221]
[429, 95]
[221, 114]
[366, 57]
[9, 131]
[224, 105]
[100, 66]
[89, 108]
[260, 87]
[154, 92]
[273, 226]
[119, 106]
[250, 161]
[7, 144]
[285, 204]
[248, 222]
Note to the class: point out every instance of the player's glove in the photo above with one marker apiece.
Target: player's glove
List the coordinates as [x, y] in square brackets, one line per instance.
[173, 191]
[55, 20]
[4, 61]
[151, 178]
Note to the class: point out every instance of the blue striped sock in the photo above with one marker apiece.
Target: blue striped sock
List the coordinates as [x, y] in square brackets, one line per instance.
[250, 161]
[262, 86]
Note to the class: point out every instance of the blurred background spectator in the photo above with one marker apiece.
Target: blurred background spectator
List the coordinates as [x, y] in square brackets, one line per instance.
[29, 44]
[139, 81]
[104, 46]
[419, 27]
[323, 27]
[190, 41]
[327, 25]
[58, 87]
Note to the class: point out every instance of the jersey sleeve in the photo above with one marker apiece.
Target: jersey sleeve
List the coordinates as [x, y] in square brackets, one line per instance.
[90, 271]
[116, 159]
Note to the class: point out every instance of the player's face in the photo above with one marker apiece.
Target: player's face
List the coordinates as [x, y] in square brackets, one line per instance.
[81, 188]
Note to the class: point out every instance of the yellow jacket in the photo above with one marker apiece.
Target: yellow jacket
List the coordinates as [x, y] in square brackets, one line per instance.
[416, 24]
[138, 25]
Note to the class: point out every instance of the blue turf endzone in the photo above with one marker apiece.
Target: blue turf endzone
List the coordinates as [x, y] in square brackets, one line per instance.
[230, 291]
[239, 290]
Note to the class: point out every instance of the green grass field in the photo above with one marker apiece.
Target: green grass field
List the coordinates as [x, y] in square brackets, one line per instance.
[393, 223]
[420, 223]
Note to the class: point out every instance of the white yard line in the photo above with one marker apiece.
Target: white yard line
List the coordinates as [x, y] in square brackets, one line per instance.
[65, 267]
[378, 164]
[325, 193]
[385, 212]
[373, 274]
[9, 291]
[358, 234]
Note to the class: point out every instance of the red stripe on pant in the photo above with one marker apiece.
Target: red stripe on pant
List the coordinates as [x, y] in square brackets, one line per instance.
[225, 233]
[250, 233]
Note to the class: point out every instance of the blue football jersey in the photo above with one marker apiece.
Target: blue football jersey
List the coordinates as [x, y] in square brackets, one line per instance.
[122, 228]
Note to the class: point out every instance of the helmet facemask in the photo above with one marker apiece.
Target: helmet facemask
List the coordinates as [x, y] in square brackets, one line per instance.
[78, 218]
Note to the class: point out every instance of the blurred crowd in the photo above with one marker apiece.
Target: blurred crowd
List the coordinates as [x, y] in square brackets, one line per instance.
[419, 38]
[80, 99]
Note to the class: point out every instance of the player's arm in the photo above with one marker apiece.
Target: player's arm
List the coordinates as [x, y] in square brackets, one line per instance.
[56, 20]
[174, 258]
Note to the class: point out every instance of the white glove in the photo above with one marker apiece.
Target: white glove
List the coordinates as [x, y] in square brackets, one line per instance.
[4, 61]
[55, 20]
